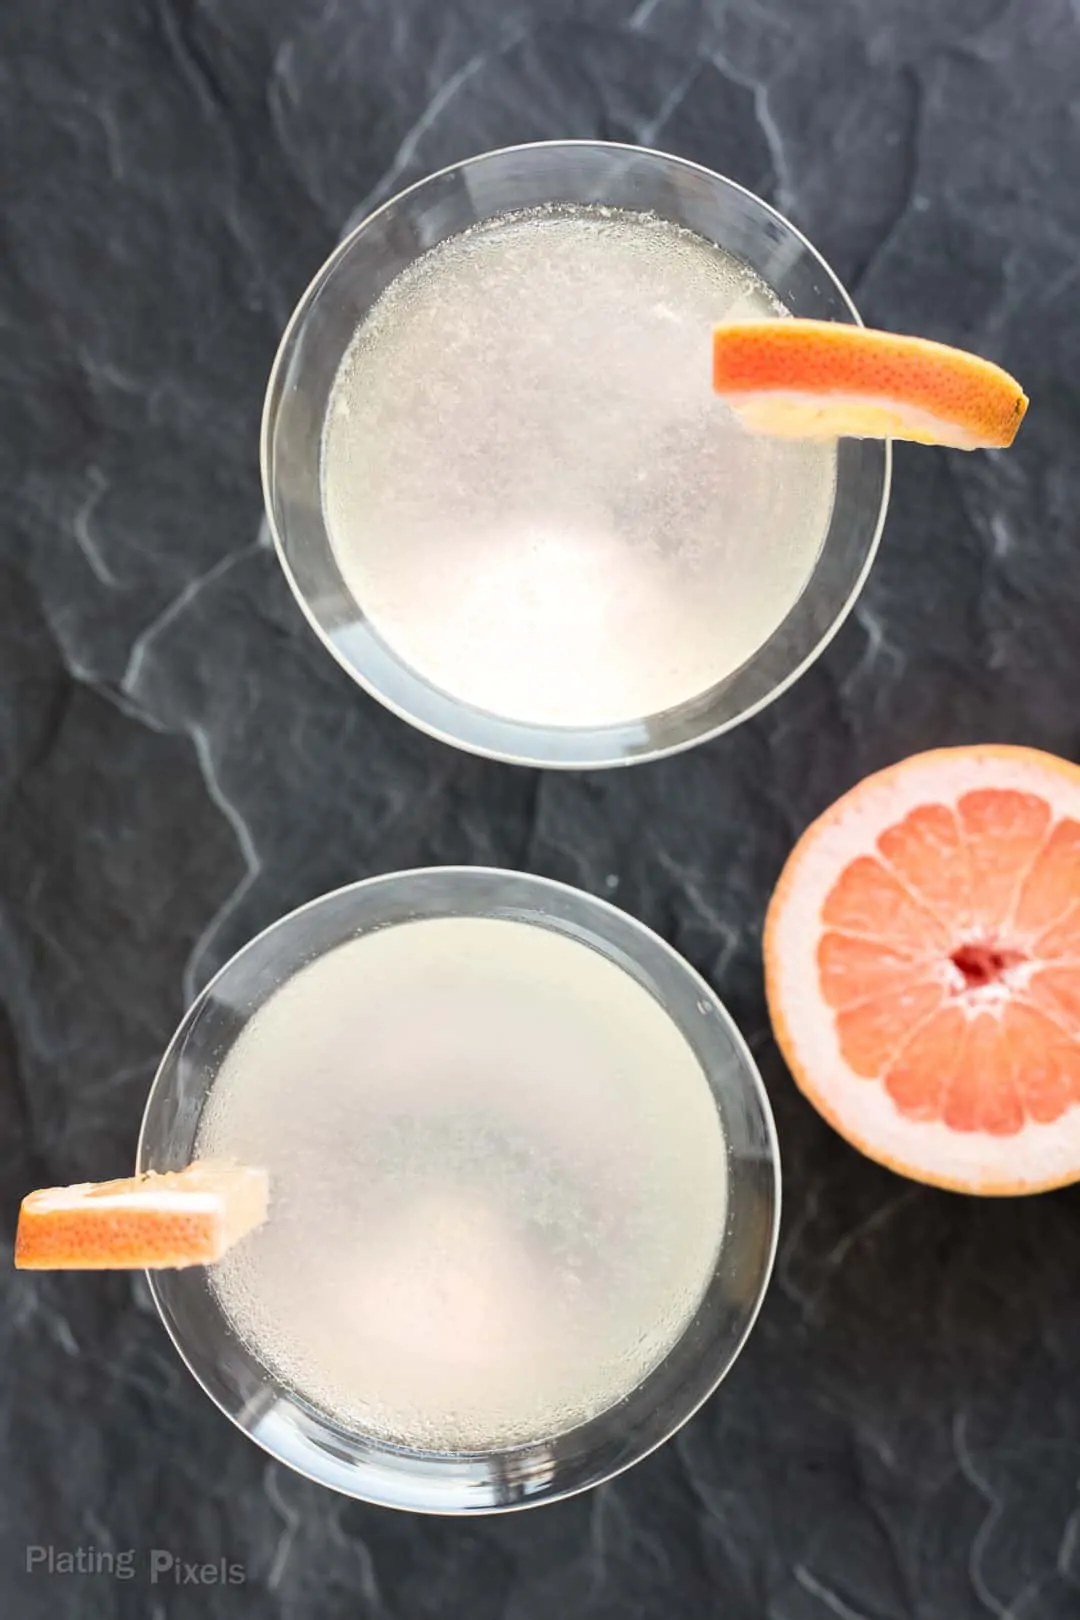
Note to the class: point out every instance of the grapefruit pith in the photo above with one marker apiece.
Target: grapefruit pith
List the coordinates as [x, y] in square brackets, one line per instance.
[922, 968]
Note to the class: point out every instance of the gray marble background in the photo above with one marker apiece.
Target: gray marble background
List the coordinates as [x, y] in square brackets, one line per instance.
[180, 763]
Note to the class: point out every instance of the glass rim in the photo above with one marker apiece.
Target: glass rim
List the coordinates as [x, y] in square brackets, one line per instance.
[745, 1081]
[612, 742]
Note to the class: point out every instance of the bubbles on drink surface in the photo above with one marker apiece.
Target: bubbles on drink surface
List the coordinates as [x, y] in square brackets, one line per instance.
[533, 493]
[499, 1183]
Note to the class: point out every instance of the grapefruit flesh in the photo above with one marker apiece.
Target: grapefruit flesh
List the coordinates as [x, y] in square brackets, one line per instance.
[824, 379]
[922, 965]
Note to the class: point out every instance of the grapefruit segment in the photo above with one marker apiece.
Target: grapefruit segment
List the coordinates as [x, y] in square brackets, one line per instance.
[174, 1218]
[928, 854]
[824, 379]
[1057, 991]
[873, 1032]
[922, 967]
[1041, 1059]
[983, 1094]
[1053, 878]
[917, 1078]
[870, 899]
[852, 968]
[1063, 939]
[1003, 832]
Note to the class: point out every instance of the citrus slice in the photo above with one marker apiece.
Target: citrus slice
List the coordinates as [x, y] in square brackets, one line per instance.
[176, 1218]
[922, 968]
[827, 380]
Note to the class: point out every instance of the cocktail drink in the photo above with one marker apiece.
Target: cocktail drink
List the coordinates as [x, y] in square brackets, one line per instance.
[522, 1189]
[531, 490]
[503, 488]
[499, 1190]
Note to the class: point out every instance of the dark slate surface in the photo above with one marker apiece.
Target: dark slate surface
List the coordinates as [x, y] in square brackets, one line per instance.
[180, 763]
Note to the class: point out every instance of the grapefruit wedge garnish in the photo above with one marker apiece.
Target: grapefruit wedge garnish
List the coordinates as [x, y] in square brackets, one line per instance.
[175, 1218]
[826, 380]
[922, 968]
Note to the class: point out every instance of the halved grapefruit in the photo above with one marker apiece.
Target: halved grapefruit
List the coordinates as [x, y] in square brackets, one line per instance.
[922, 968]
[173, 1218]
[824, 379]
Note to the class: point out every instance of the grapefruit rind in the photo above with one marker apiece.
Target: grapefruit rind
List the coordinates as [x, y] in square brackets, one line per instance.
[1035, 1158]
[827, 380]
[170, 1219]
